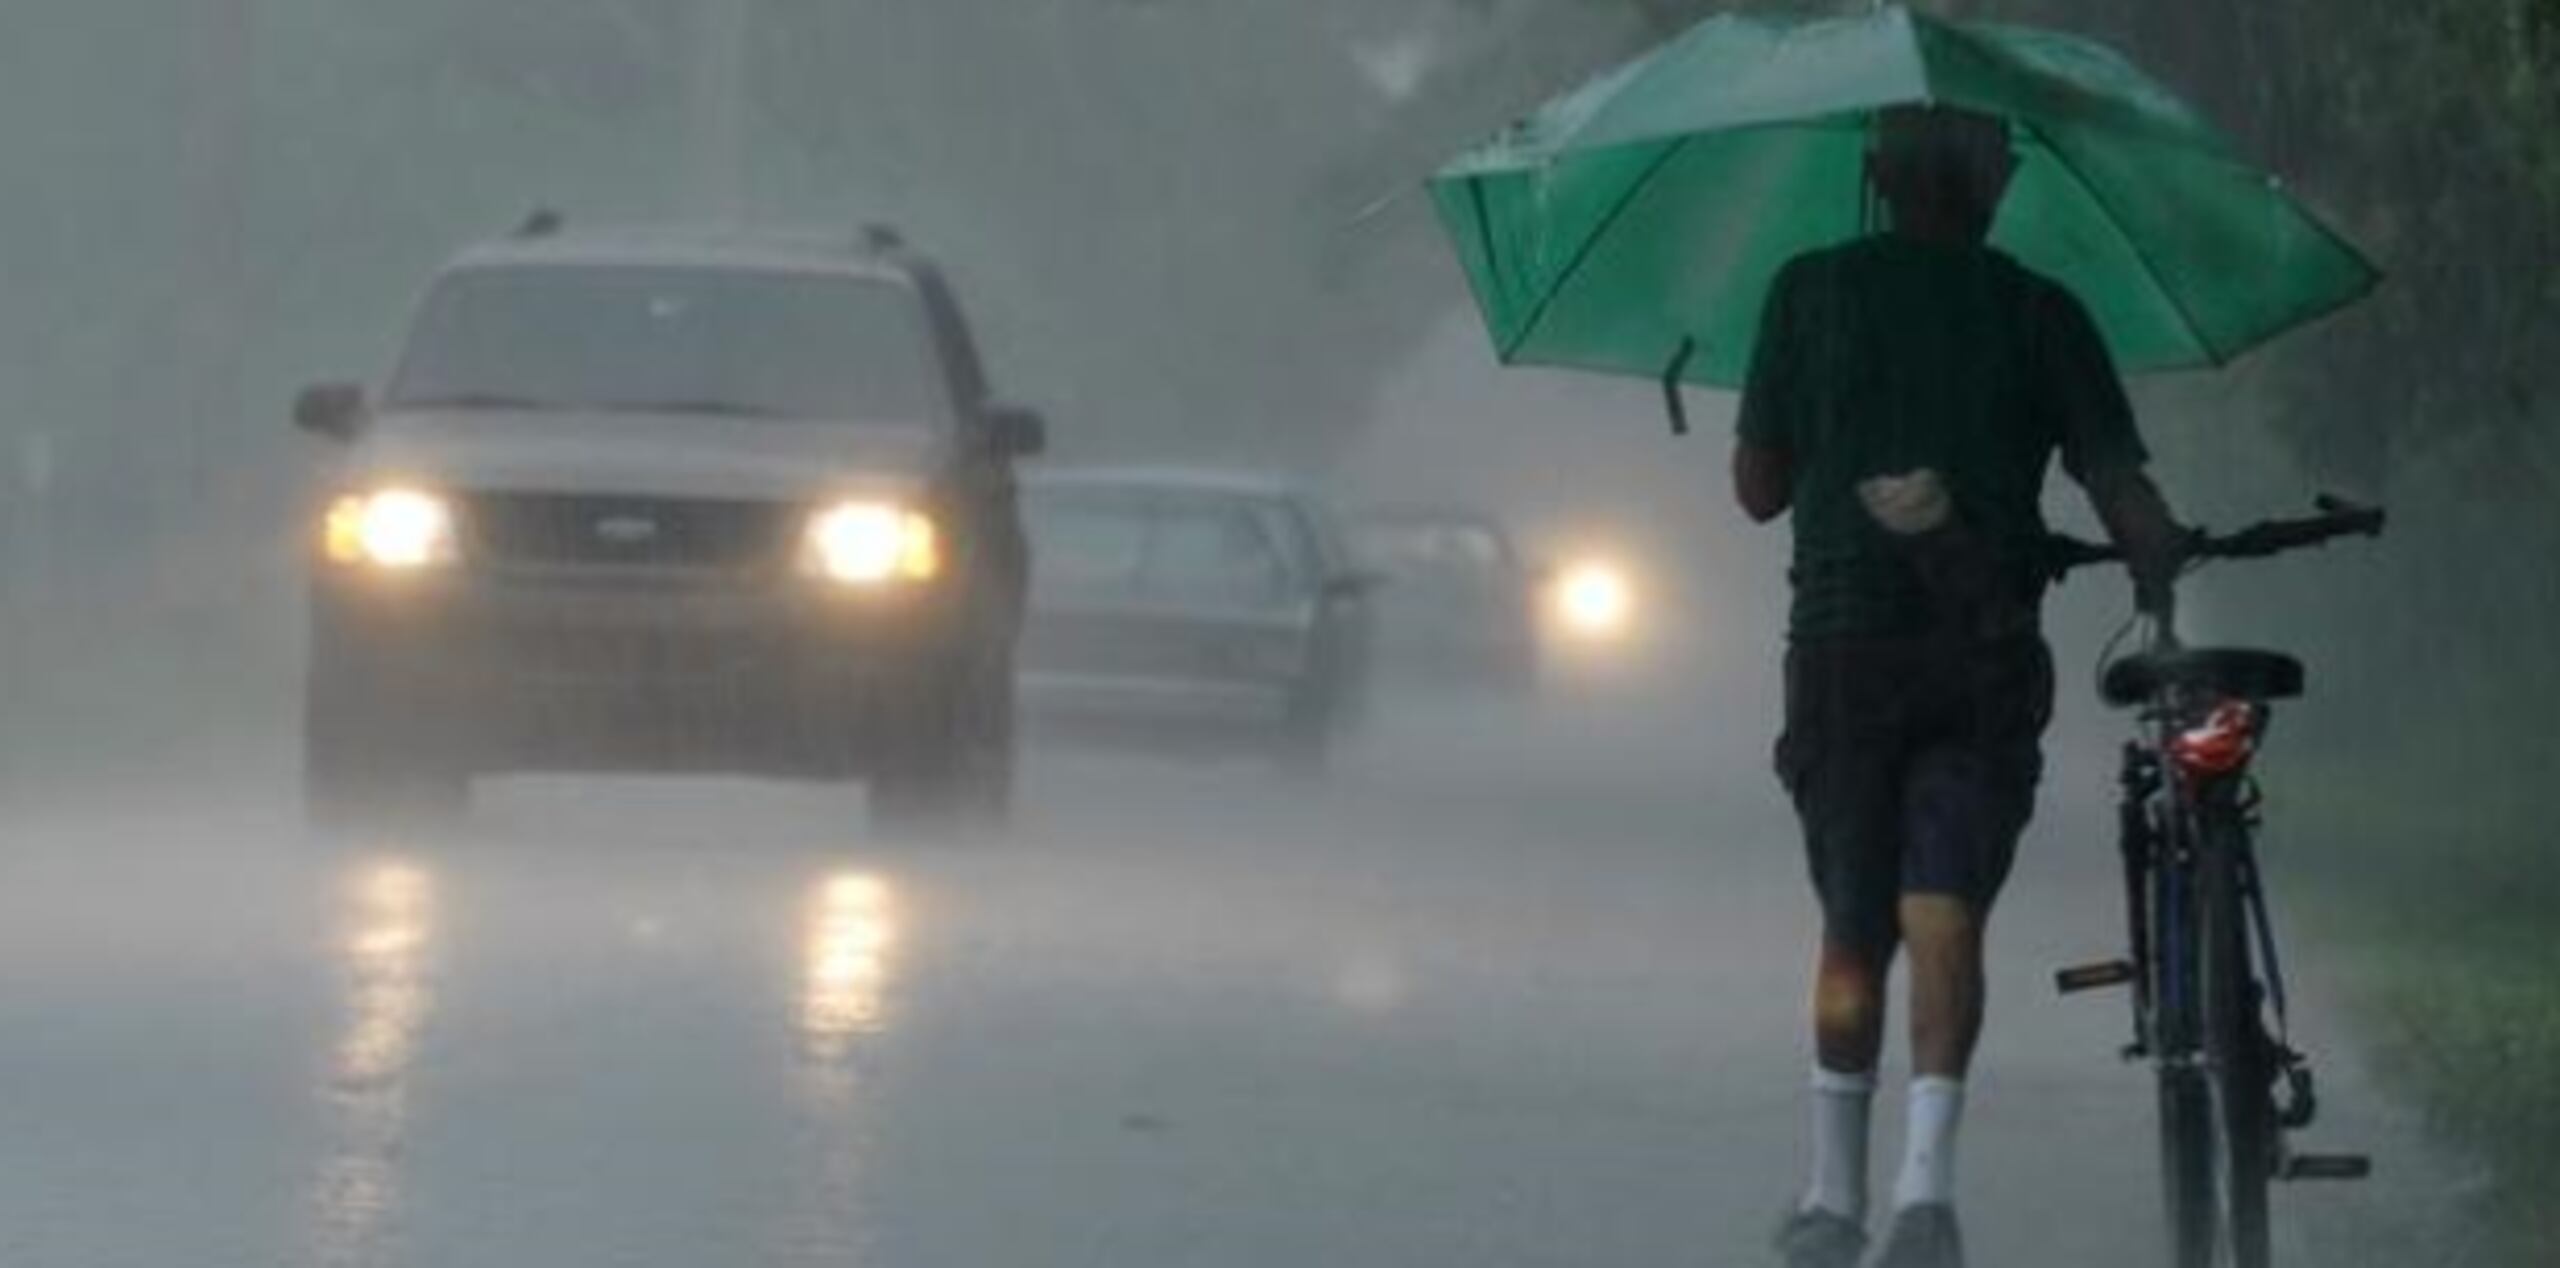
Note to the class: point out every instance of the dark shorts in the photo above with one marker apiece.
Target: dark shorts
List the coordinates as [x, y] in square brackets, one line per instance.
[1913, 764]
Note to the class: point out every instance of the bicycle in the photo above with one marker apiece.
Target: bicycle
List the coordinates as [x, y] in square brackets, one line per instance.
[2209, 1007]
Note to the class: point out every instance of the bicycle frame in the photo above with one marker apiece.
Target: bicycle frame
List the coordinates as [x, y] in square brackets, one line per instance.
[2207, 984]
[2166, 802]
[2206, 1029]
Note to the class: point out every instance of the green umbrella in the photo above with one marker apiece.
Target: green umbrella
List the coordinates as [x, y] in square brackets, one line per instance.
[1635, 223]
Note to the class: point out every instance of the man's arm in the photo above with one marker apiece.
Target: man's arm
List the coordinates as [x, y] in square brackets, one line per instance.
[2137, 519]
[1764, 467]
[1764, 480]
[2103, 451]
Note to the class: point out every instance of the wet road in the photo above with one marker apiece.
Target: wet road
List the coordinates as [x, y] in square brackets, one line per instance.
[1500, 994]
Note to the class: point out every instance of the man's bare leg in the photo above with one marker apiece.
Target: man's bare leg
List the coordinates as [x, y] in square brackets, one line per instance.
[1945, 940]
[1848, 1033]
[1849, 1007]
[1944, 934]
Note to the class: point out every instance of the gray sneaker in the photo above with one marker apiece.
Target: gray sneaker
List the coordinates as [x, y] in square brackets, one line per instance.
[1923, 1237]
[1820, 1239]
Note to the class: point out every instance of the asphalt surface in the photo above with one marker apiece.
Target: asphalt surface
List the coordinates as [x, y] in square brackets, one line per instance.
[1505, 991]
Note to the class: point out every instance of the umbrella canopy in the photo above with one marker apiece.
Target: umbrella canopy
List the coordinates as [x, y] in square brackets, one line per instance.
[1635, 223]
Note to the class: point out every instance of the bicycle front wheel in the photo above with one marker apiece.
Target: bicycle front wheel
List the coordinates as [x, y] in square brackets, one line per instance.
[2187, 1169]
[2187, 1119]
[2238, 1055]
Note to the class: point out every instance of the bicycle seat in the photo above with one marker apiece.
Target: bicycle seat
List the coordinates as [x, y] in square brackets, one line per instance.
[2226, 671]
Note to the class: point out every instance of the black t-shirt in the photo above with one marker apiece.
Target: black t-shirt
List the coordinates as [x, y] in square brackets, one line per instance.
[1890, 355]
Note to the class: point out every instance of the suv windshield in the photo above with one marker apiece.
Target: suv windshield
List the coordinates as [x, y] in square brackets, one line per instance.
[676, 339]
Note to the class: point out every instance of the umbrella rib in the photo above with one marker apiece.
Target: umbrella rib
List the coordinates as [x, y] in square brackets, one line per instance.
[2213, 355]
[1484, 221]
[1635, 190]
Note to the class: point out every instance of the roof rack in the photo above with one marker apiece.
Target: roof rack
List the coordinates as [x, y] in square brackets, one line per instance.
[541, 223]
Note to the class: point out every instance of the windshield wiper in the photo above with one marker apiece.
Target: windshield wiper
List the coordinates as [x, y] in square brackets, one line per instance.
[481, 401]
[724, 409]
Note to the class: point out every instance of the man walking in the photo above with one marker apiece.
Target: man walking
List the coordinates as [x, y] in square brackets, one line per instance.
[1908, 394]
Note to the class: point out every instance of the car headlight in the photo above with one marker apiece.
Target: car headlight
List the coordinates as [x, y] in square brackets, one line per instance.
[871, 543]
[399, 529]
[1594, 600]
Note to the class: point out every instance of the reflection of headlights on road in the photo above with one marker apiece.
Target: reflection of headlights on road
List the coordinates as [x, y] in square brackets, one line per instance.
[395, 528]
[854, 930]
[845, 968]
[869, 543]
[392, 903]
[388, 956]
[1594, 600]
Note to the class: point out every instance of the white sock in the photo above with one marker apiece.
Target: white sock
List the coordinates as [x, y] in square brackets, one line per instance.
[1840, 1104]
[1929, 1150]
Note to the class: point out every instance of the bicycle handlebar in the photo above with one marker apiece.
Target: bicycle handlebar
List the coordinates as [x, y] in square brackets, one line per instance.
[2337, 518]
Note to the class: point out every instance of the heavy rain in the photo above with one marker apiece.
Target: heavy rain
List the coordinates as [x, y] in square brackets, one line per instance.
[1156, 632]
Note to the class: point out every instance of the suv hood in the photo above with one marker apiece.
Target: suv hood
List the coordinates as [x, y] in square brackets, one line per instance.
[651, 455]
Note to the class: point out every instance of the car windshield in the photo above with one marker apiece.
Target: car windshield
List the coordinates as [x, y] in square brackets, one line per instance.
[672, 339]
[1213, 552]
[1454, 555]
[1102, 544]
[1086, 546]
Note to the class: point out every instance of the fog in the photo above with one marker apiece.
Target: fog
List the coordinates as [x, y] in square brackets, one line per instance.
[1153, 212]
[1517, 981]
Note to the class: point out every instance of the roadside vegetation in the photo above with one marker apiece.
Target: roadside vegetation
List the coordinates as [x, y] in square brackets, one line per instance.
[2433, 889]
[2465, 1014]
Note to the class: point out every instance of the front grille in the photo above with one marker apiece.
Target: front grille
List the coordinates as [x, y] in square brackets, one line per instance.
[583, 530]
[630, 656]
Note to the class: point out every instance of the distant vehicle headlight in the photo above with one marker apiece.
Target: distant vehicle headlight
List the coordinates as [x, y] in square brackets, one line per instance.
[1594, 600]
[872, 543]
[396, 529]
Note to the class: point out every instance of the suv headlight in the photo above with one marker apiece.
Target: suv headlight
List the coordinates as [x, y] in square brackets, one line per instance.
[398, 529]
[871, 543]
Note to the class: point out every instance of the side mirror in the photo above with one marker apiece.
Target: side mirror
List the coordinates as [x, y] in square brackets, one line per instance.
[1018, 430]
[333, 410]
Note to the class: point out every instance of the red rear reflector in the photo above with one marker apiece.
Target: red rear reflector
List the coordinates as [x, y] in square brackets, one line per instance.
[2221, 744]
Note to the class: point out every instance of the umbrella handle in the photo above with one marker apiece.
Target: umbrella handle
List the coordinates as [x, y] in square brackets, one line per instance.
[1671, 401]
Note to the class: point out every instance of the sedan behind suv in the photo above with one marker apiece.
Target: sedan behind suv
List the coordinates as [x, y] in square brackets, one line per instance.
[661, 501]
[1191, 610]
[1461, 607]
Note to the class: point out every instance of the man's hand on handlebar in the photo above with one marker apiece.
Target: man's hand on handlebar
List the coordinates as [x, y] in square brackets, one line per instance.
[2155, 545]
[2273, 537]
